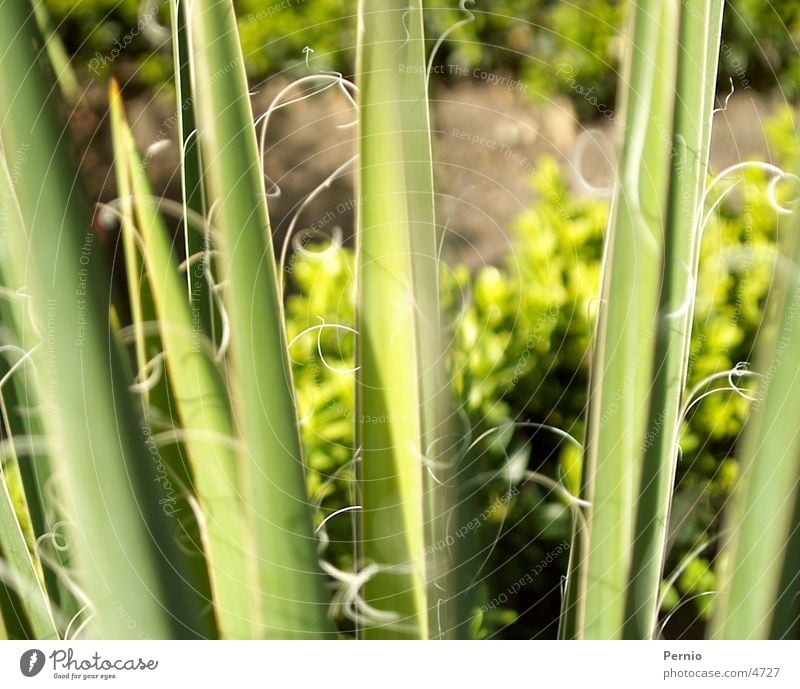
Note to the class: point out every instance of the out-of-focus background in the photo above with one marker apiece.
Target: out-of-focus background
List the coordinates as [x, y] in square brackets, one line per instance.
[525, 117]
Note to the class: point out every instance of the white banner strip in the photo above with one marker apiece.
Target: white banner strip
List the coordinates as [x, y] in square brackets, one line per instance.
[404, 665]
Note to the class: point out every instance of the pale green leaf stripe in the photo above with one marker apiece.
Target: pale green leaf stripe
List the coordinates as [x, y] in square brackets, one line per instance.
[126, 557]
[19, 392]
[200, 396]
[24, 581]
[57, 54]
[191, 168]
[395, 219]
[25, 571]
[141, 307]
[291, 587]
[761, 529]
[624, 341]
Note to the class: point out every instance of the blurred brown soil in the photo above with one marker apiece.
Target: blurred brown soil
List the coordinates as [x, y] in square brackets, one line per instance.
[487, 139]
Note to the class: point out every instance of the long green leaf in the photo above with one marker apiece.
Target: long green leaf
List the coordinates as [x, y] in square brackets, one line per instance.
[20, 401]
[126, 555]
[291, 587]
[193, 197]
[153, 389]
[760, 526]
[201, 399]
[25, 581]
[622, 362]
[26, 570]
[698, 44]
[408, 466]
[57, 54]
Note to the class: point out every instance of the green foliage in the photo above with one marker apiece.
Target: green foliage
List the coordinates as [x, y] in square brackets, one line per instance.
[94, 24]
[536, 37]
[698, 579]
[324, 287]
[520, 343]
[578, 43]
[519, 334]
[274, 34]
[760, 43]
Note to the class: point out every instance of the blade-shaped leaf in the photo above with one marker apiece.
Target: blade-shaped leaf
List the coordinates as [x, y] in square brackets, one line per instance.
[622, 363]
[408, 466]
[199, 394]
[698, 44]
[291, 587]
[126, 555]
[760, 525]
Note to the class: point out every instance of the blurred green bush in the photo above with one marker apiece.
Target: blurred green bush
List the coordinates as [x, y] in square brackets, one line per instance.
[554, 46]
[521, 330]
[520, 338]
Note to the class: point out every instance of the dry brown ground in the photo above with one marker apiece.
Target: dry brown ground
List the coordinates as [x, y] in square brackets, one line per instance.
[486, 144]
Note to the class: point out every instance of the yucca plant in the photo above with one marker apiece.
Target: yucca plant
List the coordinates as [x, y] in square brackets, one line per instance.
[109, 409]
[408, 454]
[623, 360]
[290, 587]
[760, 585]
[93, 434]
[698, 41]
[236, 415]
[638, 396]
[643, 332]
[200, 396]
